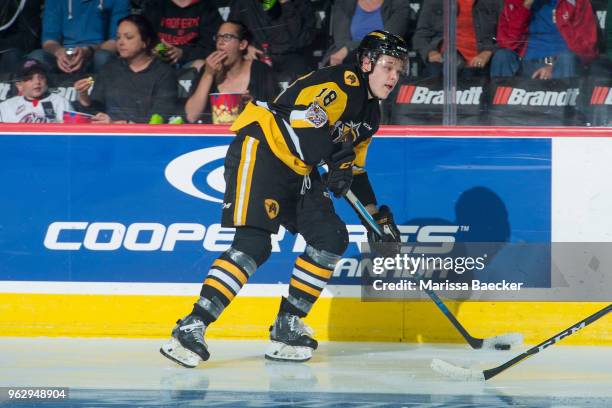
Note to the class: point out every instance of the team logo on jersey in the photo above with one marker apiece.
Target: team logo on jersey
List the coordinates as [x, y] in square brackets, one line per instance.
[316, 115]
[272, 208]
[345, 131]
[350, 78]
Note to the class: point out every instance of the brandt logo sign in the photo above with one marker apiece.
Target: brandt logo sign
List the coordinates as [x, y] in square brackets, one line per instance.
[505, 95]
[199, 173]
[411, 94]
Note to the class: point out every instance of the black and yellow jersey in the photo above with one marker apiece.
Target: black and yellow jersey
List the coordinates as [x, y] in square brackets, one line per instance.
[309, 120]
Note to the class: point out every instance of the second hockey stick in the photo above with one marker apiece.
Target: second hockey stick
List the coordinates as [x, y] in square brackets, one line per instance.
[465, 374]
[502, 342]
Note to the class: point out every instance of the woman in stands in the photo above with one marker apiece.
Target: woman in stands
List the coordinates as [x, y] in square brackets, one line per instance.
[228, 71]
[134, 87]
[353, 19]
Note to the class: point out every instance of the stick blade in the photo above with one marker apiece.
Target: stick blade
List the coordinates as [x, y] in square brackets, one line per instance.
[456, 373]
[503, 342]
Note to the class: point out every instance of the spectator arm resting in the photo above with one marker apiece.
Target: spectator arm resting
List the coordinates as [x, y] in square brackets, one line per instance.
[428, 35]
[51, 46]
[579, 29]
[342, 14]
[513, 26]
[197, 102]
[486, 16]
[108, 45]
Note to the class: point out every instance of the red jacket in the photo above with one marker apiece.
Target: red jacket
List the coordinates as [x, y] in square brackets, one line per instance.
[574, 19]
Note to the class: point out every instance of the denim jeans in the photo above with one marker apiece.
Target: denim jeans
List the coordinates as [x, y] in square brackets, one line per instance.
[507, 63]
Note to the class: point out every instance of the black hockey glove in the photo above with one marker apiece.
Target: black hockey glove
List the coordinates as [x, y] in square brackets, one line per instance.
[340, 173]
[384, 219]
[390, 243]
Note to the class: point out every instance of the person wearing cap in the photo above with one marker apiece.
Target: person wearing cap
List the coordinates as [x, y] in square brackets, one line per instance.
[272, 179]
[34, 104]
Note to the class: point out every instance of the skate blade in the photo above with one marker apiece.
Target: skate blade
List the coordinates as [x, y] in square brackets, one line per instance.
[179, 354]
[283, 352]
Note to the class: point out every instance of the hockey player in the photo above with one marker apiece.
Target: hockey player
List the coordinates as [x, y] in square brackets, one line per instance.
[328, 116]
[34, 104]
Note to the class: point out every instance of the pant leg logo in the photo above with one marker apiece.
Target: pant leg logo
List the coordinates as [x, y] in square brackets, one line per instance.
[272, 208]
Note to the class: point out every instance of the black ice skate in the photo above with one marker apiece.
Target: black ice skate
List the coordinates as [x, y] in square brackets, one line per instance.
[187, 346]
[291, 339]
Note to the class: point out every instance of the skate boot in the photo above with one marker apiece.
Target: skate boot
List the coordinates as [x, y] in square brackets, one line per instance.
[187, 346]
[291, 339]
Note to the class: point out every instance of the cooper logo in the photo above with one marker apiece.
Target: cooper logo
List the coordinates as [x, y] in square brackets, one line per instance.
[272, 208]
[199, 173]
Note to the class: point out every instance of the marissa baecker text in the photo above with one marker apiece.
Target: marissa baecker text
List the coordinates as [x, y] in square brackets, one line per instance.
[408, 285]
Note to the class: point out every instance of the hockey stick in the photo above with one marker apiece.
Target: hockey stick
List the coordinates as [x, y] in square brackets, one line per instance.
[466, 374]
[502, 342]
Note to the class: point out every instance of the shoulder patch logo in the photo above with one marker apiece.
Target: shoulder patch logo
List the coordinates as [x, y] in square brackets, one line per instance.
[350, 78]
[316, 115]
[272, 208]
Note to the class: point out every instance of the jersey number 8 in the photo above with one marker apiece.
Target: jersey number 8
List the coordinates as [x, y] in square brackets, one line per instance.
[330, 96]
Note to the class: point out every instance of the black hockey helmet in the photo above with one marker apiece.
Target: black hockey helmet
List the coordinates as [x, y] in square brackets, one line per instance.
[381, 42]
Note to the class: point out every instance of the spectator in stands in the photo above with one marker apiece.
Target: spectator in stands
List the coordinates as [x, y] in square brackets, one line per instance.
[287, 26]
[19, 31]
[34, 104]
[602, 67]
[185, 27]
[353, 19]
[79, 36]
[545, 39]
[227, 70]
[609, 31]
[475, 35]
[134, 87]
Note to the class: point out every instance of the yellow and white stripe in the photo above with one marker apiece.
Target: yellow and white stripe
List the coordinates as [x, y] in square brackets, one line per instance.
[245, 176]
[232, 269]
[222, 276]
[312, 278]
[226, 277]
[314, 269]
[220, 287]
[309, 278]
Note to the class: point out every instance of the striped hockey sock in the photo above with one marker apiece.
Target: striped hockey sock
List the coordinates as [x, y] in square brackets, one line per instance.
[224, 281]
[307, 282]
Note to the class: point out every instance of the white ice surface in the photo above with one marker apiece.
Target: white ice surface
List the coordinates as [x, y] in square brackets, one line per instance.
[394, 368]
